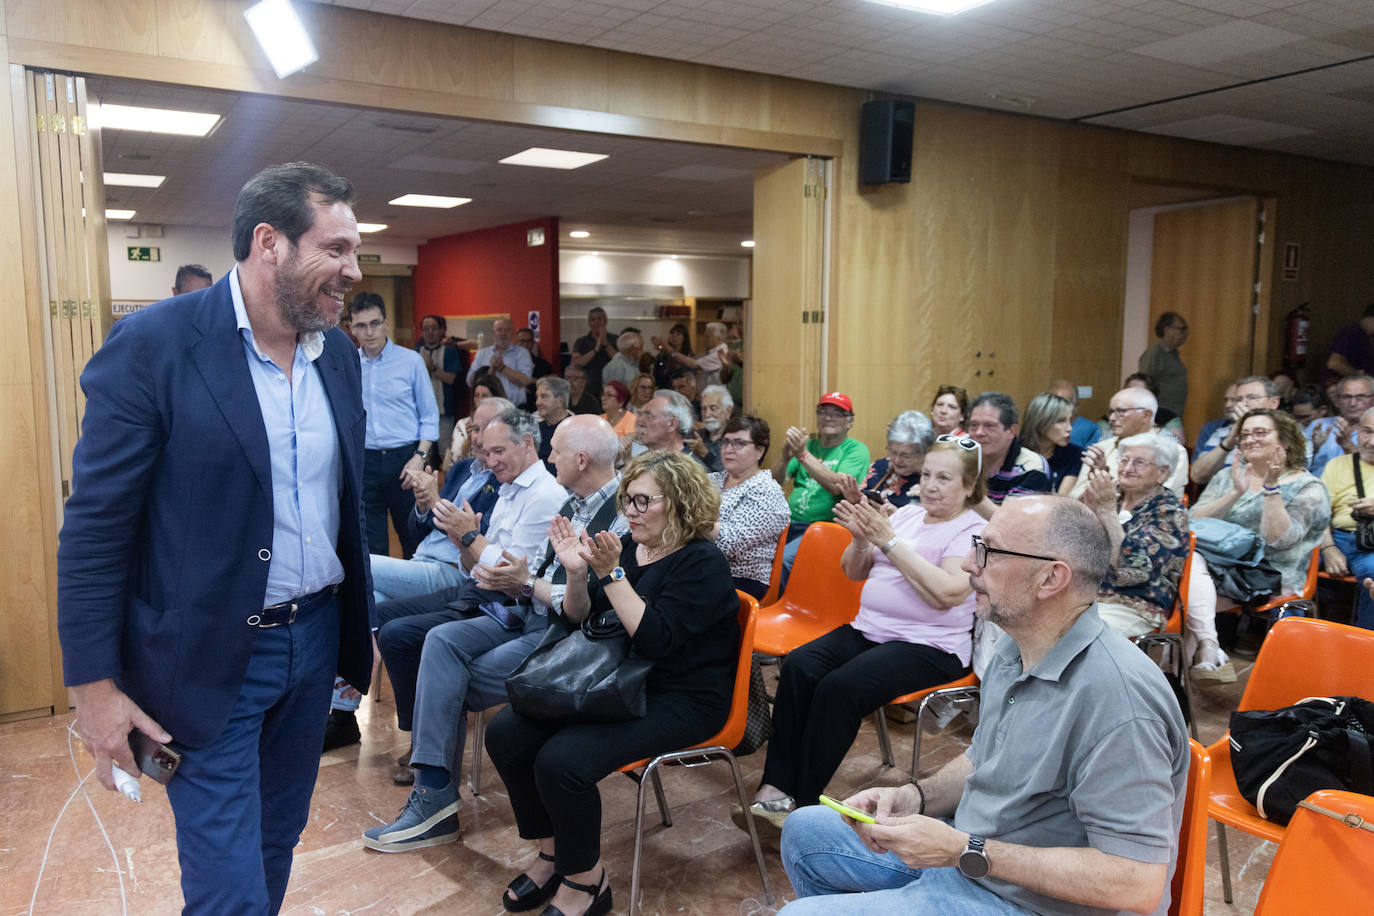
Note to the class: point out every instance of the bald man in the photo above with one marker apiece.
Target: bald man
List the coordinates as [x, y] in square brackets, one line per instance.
[506, 360]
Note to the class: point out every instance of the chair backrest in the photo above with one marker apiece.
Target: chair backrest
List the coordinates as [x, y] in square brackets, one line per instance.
[1309, 588]
[733, 732]
[817, 586]
[1322, 865]
[1185, 893]
[1302, 657]
[775, 576]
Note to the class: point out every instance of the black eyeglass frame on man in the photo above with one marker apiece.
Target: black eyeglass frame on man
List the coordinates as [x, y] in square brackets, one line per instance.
[981, 551]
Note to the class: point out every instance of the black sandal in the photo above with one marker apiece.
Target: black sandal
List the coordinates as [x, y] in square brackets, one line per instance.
[601, 897]
[529, 895]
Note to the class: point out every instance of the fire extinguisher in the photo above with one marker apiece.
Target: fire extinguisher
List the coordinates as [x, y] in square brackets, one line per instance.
[1295, 327]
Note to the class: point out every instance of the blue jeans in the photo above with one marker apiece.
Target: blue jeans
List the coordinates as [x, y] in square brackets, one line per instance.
[1361, 565]
[241, 801]
[833, 872]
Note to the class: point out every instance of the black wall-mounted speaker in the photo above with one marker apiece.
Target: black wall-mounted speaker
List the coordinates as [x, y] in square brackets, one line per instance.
[886, 132]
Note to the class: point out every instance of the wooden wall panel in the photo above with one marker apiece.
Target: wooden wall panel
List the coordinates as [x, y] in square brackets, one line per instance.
[124, 25]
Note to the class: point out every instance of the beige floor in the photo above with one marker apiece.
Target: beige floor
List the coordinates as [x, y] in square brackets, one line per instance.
[701, 865]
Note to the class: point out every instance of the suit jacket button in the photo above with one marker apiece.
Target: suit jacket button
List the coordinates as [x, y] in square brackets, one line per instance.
[264, 554]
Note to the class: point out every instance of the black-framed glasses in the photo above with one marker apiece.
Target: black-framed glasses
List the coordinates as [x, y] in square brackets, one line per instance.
[981, 551]
[730, 443]
[640, 502]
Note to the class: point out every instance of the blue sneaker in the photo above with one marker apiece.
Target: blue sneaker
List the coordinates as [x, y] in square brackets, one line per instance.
[430, 818]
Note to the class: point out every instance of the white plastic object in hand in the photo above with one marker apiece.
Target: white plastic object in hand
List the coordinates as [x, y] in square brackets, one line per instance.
[126, 783]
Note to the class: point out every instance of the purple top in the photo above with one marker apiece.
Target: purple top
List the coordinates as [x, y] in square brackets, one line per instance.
[1353, 343]
[891, 609]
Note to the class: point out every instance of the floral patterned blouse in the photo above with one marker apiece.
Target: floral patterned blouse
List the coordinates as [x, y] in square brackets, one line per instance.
[1309, 512]
[1150, 563]
[753, 514]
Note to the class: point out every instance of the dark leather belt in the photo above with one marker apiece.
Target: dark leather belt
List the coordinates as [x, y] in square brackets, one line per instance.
[283, 614]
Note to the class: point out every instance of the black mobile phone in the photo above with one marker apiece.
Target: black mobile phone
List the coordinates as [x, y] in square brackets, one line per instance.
[873, 495]
[155, 759]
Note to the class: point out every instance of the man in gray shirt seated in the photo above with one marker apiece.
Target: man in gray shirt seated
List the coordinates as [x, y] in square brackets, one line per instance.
[1068, 800]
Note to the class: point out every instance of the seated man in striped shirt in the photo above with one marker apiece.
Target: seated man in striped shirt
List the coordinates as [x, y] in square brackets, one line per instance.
[1011, 469]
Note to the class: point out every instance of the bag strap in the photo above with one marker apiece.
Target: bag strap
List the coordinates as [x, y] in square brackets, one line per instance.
[1359, 477]
[1350, 820]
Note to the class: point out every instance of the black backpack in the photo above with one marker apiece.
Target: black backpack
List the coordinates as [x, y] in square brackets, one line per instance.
[1281, 756]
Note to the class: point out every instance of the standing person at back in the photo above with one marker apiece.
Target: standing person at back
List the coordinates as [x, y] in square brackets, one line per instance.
[402, 423]
[444, 362]
[817, 466]
[506, 360]
[593, 350]
[212, 573]
[1162, 363]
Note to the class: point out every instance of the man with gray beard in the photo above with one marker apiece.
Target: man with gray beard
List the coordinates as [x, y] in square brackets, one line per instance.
[716, 407]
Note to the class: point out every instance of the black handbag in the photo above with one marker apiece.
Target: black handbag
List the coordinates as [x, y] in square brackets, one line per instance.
[758, 722]
[1364, 527]
[586, 674]
[1281, 756]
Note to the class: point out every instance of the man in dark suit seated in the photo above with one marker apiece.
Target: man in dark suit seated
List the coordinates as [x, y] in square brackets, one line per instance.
[213, 570]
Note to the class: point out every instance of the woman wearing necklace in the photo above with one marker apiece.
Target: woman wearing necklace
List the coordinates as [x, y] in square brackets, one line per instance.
[1270, 492]
[670, 588]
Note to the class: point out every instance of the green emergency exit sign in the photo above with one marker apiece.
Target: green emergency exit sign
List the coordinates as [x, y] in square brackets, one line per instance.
[144, 254]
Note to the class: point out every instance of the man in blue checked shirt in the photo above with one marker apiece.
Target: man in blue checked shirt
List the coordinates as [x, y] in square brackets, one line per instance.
[402, 423]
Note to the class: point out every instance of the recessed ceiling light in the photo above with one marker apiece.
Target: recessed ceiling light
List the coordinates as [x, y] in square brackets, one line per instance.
[541, 158]
[747, 243]
[938, 7]
[596, 252]
[120, 214]
[429, 200]
[579, 234]
[282, 36]
[371, 227]
[156, 120]
[128, 180]
[674, 257]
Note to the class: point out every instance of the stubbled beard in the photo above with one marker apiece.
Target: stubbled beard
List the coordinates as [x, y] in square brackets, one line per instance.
[300, 315]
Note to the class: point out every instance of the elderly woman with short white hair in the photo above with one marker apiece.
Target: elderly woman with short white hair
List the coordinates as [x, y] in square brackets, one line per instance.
[1148, 527]
[895, 480]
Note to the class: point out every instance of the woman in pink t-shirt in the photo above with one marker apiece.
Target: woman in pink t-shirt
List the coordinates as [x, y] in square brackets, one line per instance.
[913, 630]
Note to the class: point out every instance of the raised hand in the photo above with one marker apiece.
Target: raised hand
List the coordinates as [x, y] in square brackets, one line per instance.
[847, 514]
[1100, 495]
[567, 546]
[602, 552]
[849, 489]
[795, 443]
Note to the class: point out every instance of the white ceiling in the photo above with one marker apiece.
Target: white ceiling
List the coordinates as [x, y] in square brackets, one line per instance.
[648, 196]
[1230, 71]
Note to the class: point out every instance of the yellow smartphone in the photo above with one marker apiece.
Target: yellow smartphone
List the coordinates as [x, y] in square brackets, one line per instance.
[847, 811]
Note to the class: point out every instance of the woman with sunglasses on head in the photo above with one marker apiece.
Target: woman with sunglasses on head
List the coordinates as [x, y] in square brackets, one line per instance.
[670, 588]
[913, 630]
[753, 509]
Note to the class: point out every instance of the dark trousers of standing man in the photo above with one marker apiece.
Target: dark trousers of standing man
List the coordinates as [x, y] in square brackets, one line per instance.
[382, 495]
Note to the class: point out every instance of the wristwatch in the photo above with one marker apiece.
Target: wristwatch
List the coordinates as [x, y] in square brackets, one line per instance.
[419, 453]
[973, 861]
[527, 590]
[614, 575]
[468, 537]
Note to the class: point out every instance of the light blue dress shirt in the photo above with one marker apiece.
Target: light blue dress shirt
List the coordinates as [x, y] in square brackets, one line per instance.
[306, 473]
[398, 398]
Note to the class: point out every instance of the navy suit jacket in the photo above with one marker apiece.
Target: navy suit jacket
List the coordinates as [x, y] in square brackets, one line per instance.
[167, 536]
[483, 502]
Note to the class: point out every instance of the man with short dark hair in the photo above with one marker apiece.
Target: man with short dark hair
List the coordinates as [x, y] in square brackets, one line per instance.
[593, 350]
[524, 337]
[212, 570]
[1011, 469]
[402, 423]
[685, 384]
[191, 277]
[580, 400]
[1351, 351]
[1070, 795]
[445, 364]
[1162, 363]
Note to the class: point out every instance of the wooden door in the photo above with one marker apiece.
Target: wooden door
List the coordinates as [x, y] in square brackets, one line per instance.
[1204, 268]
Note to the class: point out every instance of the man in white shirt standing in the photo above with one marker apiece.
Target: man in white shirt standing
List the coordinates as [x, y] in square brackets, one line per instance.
[506, 360]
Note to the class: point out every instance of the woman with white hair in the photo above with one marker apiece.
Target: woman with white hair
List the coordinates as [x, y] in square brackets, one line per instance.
[895, 480]
[1148, 527]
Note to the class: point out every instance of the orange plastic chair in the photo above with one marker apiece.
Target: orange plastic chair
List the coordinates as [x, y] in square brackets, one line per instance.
[1322, 865]
[1301, 657]
[965, 687]
[1185, 891]
[775, 576]
[819, 596]
[717, 746]
[1309, 587]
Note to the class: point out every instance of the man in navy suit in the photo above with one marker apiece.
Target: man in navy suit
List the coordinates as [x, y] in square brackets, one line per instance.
[213, 571]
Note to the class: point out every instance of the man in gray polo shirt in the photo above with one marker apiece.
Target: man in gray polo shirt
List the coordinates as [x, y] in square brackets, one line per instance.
[1068, 800]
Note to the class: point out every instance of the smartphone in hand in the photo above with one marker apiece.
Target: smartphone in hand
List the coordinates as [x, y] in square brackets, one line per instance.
[847, 811]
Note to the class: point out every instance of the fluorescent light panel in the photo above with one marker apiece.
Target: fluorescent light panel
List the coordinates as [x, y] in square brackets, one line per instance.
[156, 120]
[579, 234]
[747, 243]
[429, 200]
[127, 180]
[282, 36]
[937, 7]
[542, 158]
[120, 214]
[371, 227]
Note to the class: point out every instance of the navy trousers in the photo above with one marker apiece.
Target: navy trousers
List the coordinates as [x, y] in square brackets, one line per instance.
[382, 495]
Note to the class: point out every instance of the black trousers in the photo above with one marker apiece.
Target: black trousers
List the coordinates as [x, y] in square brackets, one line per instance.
[824, 691]
[551, 770]
[382, 495]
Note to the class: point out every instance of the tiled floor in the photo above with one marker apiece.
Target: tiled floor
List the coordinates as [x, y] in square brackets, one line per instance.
[701, 865]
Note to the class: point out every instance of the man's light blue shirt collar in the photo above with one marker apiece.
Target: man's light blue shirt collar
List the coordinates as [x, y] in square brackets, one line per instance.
[312, 342]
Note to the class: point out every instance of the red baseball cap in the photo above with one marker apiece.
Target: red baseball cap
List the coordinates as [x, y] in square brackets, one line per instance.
[836, 399]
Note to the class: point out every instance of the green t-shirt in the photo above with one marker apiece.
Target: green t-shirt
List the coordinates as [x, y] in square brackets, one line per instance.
[811, 502]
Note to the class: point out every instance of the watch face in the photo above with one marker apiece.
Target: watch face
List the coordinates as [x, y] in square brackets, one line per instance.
[973, 864]
[617, 574]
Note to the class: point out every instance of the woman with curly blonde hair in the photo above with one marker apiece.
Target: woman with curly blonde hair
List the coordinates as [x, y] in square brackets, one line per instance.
[670, 588]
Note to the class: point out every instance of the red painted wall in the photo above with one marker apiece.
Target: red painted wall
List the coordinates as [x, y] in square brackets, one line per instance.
[493, 271]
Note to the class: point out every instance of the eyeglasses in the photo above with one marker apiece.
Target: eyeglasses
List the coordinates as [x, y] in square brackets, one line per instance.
[729, 444]
[1339, 397]
[981, 551]
[639, 502]
[1179, 327]
[830, 413]
[1118, 411]
[964, 443]
[1255, 433]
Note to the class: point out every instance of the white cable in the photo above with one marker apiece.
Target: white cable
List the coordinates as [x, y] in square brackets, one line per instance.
[80, 787]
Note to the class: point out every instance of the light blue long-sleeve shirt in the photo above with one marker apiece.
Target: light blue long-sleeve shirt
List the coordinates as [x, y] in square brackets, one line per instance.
[398, 398]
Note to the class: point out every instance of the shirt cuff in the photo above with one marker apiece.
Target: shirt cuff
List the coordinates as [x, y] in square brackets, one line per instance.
[490, 556]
